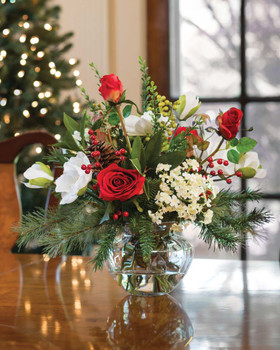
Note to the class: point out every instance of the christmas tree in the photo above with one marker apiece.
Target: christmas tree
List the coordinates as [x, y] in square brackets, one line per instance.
[33, 68]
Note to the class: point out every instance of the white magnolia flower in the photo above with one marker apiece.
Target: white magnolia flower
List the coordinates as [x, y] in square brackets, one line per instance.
[73, 182]
[189, 104]
[39, 176]
[141, 126]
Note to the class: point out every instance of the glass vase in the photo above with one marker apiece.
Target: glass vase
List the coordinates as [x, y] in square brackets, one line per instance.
[161, 273]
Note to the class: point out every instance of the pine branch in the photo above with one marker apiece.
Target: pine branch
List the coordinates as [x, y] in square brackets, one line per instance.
[146, 237]
[55, 155]
[105, 248]
[97, 74]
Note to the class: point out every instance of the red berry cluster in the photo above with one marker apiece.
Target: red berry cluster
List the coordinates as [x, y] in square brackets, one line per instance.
[120, 154]
[118, 214]
[220, 171]
[86, 168]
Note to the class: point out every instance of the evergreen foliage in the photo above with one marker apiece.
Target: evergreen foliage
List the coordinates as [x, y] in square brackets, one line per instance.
[33, 68]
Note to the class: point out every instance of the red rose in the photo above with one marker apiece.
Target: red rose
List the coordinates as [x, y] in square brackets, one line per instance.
[111, 88]
[116, 183]
[187, 130]
[229, 123]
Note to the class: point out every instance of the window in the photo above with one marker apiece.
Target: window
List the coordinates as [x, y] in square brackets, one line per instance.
[227, 52]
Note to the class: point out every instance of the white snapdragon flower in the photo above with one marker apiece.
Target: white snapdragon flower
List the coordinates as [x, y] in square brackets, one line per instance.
[77, 136]
[39, 176]
[73, 182]
[189, 104]
[143, 125]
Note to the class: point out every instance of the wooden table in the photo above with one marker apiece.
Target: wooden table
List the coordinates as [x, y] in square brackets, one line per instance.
[56, 304]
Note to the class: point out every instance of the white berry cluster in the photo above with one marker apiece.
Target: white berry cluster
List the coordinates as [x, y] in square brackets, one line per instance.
[185, 191]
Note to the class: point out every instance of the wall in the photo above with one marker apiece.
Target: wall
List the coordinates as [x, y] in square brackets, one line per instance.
[112, 33]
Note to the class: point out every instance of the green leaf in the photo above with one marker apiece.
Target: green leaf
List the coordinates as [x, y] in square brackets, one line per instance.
[147, 189]
[97, 125]
[138, 151]
[153, 148]
[135, 162]
[114, 119]
[246, 144]
[70, 124]
[127, 111]
[134, 104]
[247, 172]
[70, 142]
[233, 156]
[234, 142]
[122, 98]
[82, 128]
[172, 158]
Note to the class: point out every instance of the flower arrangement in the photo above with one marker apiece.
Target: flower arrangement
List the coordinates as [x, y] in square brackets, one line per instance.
[125, 166]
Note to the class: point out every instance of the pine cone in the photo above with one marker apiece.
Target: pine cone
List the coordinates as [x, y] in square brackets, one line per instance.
[107, 155]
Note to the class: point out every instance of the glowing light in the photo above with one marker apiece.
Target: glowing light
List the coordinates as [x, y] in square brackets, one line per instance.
[43, 111]
[57, 122]
[37, 69]
[57, 136]
[3, 53]
[56, 327]
[57, 74]
[27, 306]
[41, 54]
[34, 104]
[34, 40]
[37, 83]
[6, 31]
[47, 27]
[3, 1]
[53, 71]
[21, 73]
[72, 61]
[1, 58]
[12, 1]
[79, 82]
[3, 102]
[22, 62]
[33, 48]
[48, 94]
[44, 326]
[16, 134]
[76, 73]
[24, 56]
[25, 17]
[17, 92]
[38, 150]
[26, 25]
[82, 273]
[26, 113]
[51, 64]
[75, 282]
[76, 107]
[41, 95]
[22, 38]
[78, 305]
[6, 119]
[87, 282]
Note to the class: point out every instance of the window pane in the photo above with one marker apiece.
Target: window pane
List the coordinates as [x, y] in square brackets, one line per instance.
[205, 47]
[268, 246]
[263, 42]
[264, 117]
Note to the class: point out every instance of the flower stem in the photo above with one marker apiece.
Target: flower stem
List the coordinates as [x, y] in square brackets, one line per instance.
[124, 129]
[213, 153]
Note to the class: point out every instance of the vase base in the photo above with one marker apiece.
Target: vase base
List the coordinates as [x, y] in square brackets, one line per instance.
[148, 284]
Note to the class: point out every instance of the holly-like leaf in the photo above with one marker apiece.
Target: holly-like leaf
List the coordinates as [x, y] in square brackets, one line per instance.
[114, 119]
[127, 111]
[70, 124]
[234, 142]
[136, 164]
[246, 144]
[172, 158]
[153, 148]
[233, 156]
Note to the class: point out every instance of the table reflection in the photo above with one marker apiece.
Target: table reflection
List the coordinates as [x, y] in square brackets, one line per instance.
[149, 323]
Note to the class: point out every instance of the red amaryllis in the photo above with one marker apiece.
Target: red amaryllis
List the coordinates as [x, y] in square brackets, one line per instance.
[116, 183]
[229, 123]
[111, 88]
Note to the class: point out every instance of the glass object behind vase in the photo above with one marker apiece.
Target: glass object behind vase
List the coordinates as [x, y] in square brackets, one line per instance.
[158, 275]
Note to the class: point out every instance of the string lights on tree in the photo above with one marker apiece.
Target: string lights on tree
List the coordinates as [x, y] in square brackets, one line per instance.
[33, 68]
